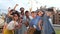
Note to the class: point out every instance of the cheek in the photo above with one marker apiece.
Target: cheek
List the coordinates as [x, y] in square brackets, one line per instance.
[42, 12]
[16, 17]
[39, 13]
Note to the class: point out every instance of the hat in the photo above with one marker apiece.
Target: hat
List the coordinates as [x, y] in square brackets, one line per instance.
[50, 10]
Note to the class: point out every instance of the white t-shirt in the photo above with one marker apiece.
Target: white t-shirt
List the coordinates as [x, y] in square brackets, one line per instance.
[11, 25]
[50, 21]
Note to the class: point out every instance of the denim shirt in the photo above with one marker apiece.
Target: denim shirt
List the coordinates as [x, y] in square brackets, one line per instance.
[48, 29]
[35, 22]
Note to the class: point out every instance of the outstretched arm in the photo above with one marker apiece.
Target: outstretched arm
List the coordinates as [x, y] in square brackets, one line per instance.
[15, 6]
[40, 24]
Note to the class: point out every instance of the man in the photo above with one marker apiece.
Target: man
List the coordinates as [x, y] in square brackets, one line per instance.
[28, 17]
[31, 28]
[23, 29]
[47, 27]
[22, 11]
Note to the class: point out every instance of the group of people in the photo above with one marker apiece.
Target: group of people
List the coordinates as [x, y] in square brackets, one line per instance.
[28, 22]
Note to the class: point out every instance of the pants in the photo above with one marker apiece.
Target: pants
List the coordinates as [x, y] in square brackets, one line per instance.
[16, 31]
[37, 32]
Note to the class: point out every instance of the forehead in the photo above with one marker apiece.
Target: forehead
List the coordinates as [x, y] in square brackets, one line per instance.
[33, 13]
[21, 8]
[15, 15]
[40, 11]
[49, 12]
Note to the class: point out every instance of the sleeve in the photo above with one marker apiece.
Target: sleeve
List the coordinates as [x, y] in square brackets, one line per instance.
[10, 26]
[16, 23]
[31, 17]
[31, 24]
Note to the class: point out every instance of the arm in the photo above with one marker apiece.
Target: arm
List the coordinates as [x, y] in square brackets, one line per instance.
[39, 24]
[4, 27]
[30, 9]
[8, 9]
[15, 6]
[10, 15]
[27, 23]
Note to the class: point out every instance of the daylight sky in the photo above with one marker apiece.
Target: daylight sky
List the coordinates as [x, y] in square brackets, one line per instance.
[4, 4]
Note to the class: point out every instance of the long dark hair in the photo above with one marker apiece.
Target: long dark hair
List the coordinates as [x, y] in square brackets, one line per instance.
[39, 11]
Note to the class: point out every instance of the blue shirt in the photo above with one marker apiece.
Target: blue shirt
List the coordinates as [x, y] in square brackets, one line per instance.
[48, 29]
[35, 21]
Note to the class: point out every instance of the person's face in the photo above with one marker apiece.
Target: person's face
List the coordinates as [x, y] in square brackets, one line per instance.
[15, 17]
[33, 14]
[49, 13]
[22, 10]
[27, 14]
[40, 13]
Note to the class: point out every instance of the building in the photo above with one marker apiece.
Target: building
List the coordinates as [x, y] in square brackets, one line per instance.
[57, 17]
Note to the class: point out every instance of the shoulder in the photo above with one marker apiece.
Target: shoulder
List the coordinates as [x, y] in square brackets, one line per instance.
[30, 17]
[16, 23]
[12, 22]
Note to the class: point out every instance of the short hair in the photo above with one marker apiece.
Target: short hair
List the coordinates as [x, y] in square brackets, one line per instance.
[39, 10]
[21, 8]
[33, 12]
[16, 12]
[50, 10]
[12, 10]
[26, 12]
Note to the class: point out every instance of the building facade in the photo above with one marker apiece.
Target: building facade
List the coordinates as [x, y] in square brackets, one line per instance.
[56, 18]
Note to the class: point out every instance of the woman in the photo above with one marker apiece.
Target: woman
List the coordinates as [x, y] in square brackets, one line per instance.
[9, 28]
[36, 22]
[7, 20]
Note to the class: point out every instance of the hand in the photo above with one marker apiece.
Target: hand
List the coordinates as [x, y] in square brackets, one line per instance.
[26, 23]
[16, 4]
[9, 8]
[20, 25]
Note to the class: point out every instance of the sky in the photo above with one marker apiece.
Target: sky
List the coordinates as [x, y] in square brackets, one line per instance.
[4, 4]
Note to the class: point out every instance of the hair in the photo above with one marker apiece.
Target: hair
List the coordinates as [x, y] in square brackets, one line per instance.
[26, 12]
[21, 8]
[33, 12]
[41, 11]
[16, 12]
[50, 10]
[12, 10]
